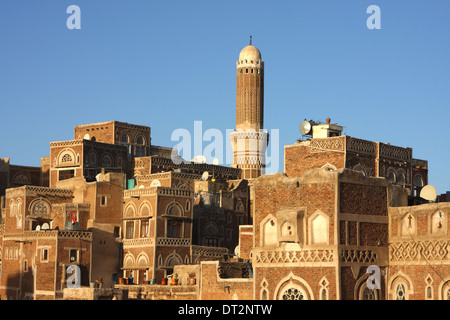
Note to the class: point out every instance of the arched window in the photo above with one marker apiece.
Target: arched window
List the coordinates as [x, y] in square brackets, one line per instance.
[92, 159]
[446, 291]
[125, 141]
[418, 185]
[240, 206]
[400, 292]
[293, 288]
[319, 225]
[360, 168]
[21, 179]
[401, 179]
[174, 210]
[264, 294]
[40, 208]
[66, 157]
[107, 161]
[130, 211]
[324, 289]
[391, 177]
[367, 293]
[270, 237]
[293, 293]
[323, 294]
[140, 147]
[145, 210]
[173, 260]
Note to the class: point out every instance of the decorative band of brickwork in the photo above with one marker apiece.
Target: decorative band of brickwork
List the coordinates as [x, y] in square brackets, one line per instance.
[276, 256]
[358, 256]
[173, 242]
[138, 242]
[419, 251]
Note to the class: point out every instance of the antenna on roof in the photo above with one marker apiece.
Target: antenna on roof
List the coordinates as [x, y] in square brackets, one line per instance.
[250, 40]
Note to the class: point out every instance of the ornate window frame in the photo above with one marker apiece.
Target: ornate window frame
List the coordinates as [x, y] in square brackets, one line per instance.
[129, 261]
[127, 210]
[36, 202]
[62, 161]
[173, 259]
[398, 279]
[146, 204]
[292, 281]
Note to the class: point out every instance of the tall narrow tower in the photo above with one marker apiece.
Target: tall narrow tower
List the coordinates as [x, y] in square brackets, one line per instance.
[249, 140]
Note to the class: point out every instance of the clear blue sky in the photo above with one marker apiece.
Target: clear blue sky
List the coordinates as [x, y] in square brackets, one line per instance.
[167, 63]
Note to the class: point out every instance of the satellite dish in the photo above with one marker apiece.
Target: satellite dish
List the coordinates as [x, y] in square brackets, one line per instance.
[97, 177]
[205, 176]
[45, 226]
[428, 193]
[237, 251]
[38, 228]
[155, 183]
[141, 186]
[199, 159]
[215, 161]
[306, 127]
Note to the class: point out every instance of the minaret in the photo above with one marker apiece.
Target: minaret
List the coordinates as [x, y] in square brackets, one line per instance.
[249, 141]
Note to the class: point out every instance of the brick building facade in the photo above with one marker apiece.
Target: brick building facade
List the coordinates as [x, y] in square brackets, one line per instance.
[130, 215]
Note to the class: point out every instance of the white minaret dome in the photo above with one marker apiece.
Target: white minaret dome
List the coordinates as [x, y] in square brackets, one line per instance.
[249, 53]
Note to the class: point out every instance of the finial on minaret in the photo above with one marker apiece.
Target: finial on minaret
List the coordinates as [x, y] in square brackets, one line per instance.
[250, 40]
